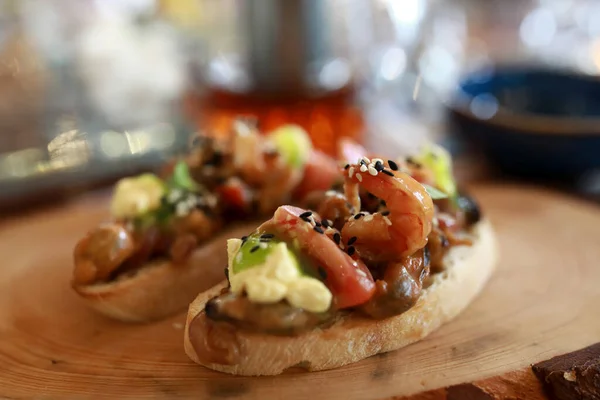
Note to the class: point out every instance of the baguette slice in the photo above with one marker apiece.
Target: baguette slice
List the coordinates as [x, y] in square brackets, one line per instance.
[161, 289]
[351, 338]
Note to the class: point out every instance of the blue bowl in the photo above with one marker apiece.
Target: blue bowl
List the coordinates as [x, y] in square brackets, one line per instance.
[531, 122]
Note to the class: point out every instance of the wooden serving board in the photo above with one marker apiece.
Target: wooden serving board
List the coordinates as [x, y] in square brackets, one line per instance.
[543, 300]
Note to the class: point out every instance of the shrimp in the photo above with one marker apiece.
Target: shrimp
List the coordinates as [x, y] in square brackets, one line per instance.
[399, 231]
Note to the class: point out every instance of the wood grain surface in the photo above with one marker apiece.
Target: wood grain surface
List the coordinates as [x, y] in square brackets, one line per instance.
[542, 301]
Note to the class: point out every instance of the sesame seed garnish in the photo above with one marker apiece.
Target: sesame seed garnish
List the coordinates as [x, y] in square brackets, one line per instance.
[341, 246]
[379, 166]
[389, 173]
[319, 229]
[244, 238]
[385, 213]
[255, 248]
[267, 236]
[363, 168]
[351, 172]
[263, 245]
[368, 217]
[372, 171]
[387, 220]
[306, 214]
[325, 223]
[393, 165]
[347, 166]
[330, 193]
[357, 216]
[359, 177]
[337, 238]
[361, 272]
[365, 160]
[352, 240]
[351, 250]
[318, 224]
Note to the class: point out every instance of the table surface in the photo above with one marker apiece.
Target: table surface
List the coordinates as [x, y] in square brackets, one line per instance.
[541, 301]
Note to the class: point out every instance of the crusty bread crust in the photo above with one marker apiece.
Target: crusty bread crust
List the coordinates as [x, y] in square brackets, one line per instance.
[161, 289]
[353, 338]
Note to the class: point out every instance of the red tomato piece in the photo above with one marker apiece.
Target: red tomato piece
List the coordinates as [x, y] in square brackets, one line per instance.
[349, 280]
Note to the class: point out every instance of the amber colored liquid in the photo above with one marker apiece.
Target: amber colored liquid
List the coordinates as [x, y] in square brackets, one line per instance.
[326, 118]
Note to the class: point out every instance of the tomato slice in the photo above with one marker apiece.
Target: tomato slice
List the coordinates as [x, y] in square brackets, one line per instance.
[349, 280]
[320, 173]
[234, 194]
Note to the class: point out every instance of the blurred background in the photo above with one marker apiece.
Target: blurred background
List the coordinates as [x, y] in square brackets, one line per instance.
[92, 90]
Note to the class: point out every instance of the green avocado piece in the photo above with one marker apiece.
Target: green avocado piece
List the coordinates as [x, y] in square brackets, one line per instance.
[293, 143]
[254, 252]
[439, 161]
[182, 178]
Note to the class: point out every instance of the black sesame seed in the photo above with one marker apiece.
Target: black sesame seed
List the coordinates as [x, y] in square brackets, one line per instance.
[379, 166]
[306, 214]
[357, 216]
[252, 250]
[347, 166]
[352, 240]
[244, 238]
[337, 238]
[389, 173]
[351, 250]
[319, 229]
[318, 224]
[267, 236]
[393, 165]
[264, 240]
[385, 213]
[325, 223]
[322, 272]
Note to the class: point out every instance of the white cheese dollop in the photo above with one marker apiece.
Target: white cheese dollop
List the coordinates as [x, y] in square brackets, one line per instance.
[278, 279]
[136, 195]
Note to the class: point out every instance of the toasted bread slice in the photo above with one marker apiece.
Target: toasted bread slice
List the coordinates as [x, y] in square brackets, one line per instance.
[352, 337]
[161, 289]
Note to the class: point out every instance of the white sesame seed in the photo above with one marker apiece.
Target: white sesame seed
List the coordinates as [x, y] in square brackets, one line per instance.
[372, 171]
[387, 220]
[366, 160]
[359, 177]
[174, 195]
[211, 201]
[330, 193]
[361, 272]
[181, 209]
[263, 245]
[363, 168]
[377, 159]
[341, 246]
[351, 172]
[368, 217]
